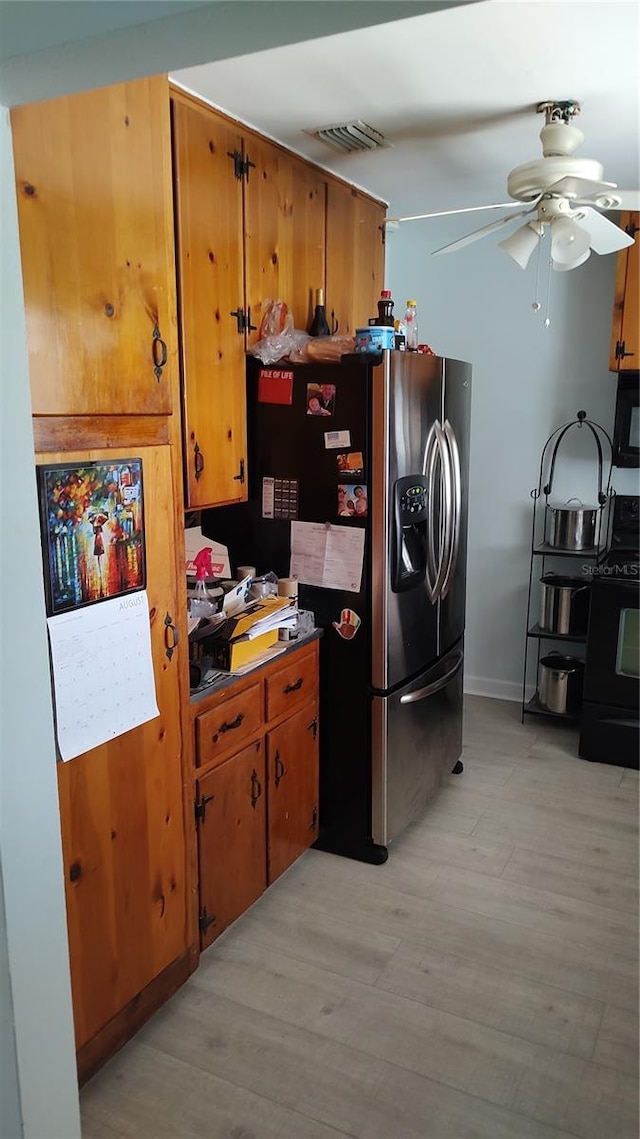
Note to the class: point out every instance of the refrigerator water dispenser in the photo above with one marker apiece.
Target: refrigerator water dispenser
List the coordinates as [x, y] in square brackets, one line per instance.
[410, 536]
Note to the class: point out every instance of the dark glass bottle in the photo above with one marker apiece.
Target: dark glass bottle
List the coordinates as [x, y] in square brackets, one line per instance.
[319, 325]
[385, 309]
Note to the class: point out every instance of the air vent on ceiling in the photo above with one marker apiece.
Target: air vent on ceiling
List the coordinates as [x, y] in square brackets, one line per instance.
[350, 136]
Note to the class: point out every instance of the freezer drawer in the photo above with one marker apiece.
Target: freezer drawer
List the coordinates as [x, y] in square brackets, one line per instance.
[416, 741]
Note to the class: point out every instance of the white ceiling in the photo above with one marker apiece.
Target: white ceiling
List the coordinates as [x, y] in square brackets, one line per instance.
[455, 91]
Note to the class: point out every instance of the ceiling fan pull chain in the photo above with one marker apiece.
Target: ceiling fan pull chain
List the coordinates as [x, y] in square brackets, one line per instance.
[536, 306]
[547, 319]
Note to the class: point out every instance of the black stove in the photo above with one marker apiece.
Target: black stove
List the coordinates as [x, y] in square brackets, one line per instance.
[609, 731]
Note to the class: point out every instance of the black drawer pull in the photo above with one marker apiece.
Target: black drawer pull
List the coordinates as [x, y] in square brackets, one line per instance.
[256, 788]
[198, 461]
[280, 769]
[231, 724]
[159, 353]
[295, 687]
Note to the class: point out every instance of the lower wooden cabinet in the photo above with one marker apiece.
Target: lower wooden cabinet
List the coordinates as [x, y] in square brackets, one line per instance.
[256, 800]
[292, 789]
[230, 802]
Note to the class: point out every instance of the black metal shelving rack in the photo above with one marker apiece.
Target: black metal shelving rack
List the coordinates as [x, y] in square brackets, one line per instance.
[541, 549]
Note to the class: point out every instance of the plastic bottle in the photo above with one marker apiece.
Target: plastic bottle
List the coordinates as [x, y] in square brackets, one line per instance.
[385, 309]
[411, 325]
[319, 325]
[202, 604]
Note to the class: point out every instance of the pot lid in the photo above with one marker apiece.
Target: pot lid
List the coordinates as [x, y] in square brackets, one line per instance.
[572, 505]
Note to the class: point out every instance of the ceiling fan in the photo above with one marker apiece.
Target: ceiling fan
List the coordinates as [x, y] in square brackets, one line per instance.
[563, 195]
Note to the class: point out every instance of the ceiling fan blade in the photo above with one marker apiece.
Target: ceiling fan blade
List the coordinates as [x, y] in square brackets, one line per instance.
[478, 233]
[605, 235]
[619, 200]
[574, 187]
[464, 210]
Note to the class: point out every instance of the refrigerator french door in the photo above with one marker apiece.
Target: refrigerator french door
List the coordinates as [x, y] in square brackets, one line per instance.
[390, 696]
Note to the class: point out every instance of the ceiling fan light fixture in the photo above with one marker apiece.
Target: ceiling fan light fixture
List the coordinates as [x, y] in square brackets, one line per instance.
[570, 244]
[521, 244]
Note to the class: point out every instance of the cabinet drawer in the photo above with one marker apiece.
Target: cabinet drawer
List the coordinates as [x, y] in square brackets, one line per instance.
[228, 725]
[293, 686]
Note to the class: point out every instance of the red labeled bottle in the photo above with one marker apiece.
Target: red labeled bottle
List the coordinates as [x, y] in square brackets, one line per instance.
[385, 309]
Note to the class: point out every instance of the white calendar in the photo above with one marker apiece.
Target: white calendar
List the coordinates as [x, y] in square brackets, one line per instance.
[102, 672]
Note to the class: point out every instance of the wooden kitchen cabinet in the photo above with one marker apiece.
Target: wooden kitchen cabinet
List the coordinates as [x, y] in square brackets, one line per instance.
[256, 787]
[231, 814]
[121, 808]
[95, 213]
[209, 227]
[292, 789]
[355, 257]
[284, 232]
[625, 329]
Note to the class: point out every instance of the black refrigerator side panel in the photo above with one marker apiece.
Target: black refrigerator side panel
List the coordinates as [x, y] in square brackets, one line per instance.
[285, 442]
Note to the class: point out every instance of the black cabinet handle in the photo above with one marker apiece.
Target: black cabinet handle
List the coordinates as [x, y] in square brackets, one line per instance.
[256, 788]
[158, 352]
[198, 461]
[334, 323]
[231, 725]
[295, 687]
[240, 318]
[240, 476]
[250, 327]
[171, 636]
[280, 769]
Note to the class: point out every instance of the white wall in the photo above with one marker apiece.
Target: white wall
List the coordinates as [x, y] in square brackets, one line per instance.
[30, 854]
[475, 304]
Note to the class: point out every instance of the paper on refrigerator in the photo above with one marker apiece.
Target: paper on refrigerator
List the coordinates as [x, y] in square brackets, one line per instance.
[102, 672]
[326, 555]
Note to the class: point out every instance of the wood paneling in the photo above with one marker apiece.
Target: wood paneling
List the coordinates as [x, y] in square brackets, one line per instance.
[292, 774]
[121, 807]
[355, 256]
[211, 287]
[625, 328]
[96, 233]
[68, 433]
[232, 838]
[284, 232]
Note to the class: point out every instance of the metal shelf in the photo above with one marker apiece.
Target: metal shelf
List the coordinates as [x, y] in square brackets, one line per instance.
[534, 707]
[545, 634]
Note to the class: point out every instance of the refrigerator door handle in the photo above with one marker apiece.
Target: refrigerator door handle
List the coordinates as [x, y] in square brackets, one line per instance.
[446, 512]
[429, 467]
[436, 686]
[456, 505]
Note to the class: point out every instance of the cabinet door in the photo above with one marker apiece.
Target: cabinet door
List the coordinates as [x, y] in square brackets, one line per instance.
[211, 290]
[292, 779]
[231, 840]
[121, 808]
[625, 330]
[268, 196]
[355, 257]
[96, 235]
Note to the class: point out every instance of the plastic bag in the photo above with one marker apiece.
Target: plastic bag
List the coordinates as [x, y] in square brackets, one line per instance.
[288, 345]
[276, 319]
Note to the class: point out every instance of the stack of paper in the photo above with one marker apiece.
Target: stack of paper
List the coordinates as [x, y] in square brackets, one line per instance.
[247, 634]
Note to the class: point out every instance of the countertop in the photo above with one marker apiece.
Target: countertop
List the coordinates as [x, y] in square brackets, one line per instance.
[278, 652]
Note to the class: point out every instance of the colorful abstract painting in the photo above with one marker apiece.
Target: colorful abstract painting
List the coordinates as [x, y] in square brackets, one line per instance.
[92, 531]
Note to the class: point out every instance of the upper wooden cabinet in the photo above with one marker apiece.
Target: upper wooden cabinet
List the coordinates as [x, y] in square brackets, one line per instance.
[625, 330]
[284, 232]
[355, 257]
[96, 233]
[212, 304]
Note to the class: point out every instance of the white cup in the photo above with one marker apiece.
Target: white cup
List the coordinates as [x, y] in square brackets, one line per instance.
[288, 587]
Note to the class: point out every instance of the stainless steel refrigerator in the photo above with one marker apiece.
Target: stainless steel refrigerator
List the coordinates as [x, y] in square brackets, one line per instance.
[391, 431]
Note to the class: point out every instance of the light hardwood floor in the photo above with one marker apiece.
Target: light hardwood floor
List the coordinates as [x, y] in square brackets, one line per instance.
[483, 984]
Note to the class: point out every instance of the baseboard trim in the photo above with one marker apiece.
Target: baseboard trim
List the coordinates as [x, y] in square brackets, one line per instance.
[496, 689]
